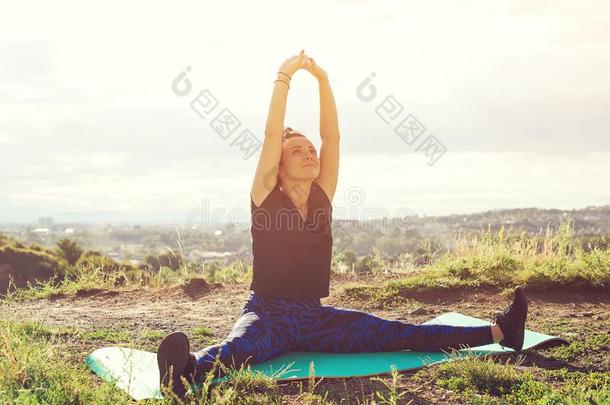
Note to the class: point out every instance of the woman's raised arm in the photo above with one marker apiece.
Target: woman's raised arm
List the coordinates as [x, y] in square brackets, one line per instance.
[265, 177]
[329, 131]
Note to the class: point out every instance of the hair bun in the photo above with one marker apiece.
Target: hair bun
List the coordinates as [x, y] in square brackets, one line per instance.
[289, 133]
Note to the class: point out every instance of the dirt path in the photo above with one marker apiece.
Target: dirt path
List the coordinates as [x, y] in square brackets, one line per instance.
[217, 307]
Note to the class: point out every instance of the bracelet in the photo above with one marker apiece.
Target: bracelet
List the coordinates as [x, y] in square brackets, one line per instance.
[286, 74]
[282, 78]
[283, 81]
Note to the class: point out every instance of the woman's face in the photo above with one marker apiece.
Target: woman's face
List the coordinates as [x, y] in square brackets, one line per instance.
[299, 159]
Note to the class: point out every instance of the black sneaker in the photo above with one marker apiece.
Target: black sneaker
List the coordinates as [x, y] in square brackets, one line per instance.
[512, 321]
[175, 360]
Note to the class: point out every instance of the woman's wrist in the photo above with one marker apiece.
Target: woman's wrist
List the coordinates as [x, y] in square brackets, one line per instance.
[287, 75]
[283, 77]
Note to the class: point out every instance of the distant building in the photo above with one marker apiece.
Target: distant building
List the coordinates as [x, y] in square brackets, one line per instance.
[198, 254]
[45, 222]
[41, 230]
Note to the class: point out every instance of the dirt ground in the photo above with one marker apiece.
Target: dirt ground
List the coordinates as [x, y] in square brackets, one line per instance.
[565, 314]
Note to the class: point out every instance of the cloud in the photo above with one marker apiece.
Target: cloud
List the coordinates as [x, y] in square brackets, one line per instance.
[85, 104]
[25, 62]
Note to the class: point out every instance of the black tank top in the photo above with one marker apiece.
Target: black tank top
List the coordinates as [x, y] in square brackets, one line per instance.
[292, 256]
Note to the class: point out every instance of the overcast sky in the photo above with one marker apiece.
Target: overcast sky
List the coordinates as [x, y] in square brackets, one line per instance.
[517, 94]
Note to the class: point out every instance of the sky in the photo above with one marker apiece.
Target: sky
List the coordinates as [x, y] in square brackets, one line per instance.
[512, 96]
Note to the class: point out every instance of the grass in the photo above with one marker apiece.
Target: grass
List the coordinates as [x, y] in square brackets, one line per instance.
[105, 334]
[481, 376]
[482, 380]
[252, 387]
[36, 365]
[236, 272]
[391, 396]
[152, 335]
[85, 279]
[588, 347]
[477, 260]
[499, 261]
[95, 272]
[110, 335]
[202, 332]
[34, 370]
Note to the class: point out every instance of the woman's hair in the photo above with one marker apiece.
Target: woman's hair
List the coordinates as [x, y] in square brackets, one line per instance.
[288, 133]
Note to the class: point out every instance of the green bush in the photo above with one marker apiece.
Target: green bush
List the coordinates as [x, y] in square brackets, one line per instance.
[69, 250]
[95, 260]
[171, 260]
[28, 264]
[371, 263]
[215, 271]
[350, 258]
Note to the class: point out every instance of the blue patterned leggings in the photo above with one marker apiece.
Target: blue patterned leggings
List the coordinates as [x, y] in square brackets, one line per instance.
[269, 327]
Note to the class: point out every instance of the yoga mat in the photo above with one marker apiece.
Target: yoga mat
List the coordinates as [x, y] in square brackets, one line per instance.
[136, 371]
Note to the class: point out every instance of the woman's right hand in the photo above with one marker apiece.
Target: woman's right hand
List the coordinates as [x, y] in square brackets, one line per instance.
[291, 65]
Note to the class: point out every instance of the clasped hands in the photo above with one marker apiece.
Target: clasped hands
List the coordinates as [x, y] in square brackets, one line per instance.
[303, 61]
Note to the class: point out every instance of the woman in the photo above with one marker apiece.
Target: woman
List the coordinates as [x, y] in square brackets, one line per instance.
[291, 211]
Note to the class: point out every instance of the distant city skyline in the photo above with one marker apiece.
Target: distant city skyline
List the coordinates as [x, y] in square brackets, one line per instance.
[409, 187]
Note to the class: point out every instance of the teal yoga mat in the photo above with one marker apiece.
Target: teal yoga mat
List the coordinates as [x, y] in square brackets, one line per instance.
[136, 371]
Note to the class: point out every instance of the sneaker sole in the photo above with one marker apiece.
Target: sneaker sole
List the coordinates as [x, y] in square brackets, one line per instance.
[173, 355]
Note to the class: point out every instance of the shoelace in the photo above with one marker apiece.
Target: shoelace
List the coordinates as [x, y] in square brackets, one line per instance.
[503, 314]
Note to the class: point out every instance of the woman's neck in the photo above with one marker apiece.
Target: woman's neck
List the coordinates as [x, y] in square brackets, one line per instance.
[298, 192]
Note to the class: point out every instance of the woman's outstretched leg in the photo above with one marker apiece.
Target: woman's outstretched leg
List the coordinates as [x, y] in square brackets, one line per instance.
[341, 330]
[255, 337]
[333, 329]
[258, 335]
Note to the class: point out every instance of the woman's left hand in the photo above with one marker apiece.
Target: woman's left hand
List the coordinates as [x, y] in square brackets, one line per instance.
[312, 67]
